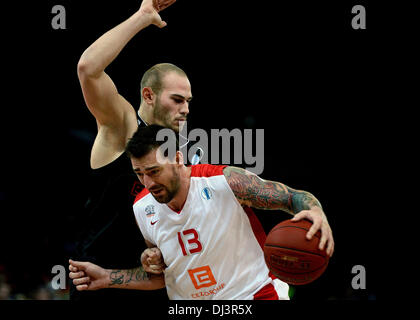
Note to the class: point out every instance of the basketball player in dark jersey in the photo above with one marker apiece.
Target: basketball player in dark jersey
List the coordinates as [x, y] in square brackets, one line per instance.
[109, 236]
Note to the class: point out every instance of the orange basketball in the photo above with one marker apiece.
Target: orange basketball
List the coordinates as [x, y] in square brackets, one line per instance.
[291, 257]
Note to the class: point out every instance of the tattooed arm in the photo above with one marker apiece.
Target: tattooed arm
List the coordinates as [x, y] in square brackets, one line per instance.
[135, 279]
[88, 276]
[252, 191]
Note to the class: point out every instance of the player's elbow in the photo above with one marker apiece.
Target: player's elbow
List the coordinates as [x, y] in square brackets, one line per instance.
[85, 69]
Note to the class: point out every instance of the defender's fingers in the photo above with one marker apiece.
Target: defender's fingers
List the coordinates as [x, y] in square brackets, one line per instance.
[154, 260]
[75, 275]
[156, 266]
[80, 281]
[78, 264]
[160, 5]
[72, 268]
[156, 251]
[156, 263]
[152, 255]
[82, 287]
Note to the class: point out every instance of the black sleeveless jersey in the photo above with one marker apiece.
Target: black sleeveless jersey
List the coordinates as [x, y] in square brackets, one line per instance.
[109, 235]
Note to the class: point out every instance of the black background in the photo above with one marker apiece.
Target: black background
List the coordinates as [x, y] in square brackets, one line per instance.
[298, 70]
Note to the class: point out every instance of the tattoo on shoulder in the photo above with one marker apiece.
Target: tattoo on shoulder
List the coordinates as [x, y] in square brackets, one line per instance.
[251, 190]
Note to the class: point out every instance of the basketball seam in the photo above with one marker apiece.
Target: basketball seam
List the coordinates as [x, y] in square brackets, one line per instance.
[276, 246]
[294, 227]
[322, 266]
[300, 273]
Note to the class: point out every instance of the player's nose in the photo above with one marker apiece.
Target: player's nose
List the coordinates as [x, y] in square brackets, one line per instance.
[184, 110]
[148, 182]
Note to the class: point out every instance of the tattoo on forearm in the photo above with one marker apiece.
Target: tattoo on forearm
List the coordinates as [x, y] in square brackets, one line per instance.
[255, 192]
[303, 201]
[116, 277]
[124, 277]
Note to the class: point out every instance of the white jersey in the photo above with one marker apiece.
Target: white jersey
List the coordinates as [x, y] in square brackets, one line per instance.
[209, 246]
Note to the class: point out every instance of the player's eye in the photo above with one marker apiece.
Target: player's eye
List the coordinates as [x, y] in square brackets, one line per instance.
[153, 172]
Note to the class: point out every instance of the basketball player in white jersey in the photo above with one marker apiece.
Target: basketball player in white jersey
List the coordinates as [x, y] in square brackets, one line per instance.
[195, 216]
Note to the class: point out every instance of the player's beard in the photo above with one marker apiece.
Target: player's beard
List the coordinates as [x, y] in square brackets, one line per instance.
[171, 190]
[164, 117]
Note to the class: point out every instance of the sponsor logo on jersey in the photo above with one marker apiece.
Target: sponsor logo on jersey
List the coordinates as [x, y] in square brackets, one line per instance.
[207, 293]
[150, 210]
[206, 193]
[202, 277]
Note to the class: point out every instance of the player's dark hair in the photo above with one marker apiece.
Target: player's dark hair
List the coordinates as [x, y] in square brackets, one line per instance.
[153, 77]
[145, 140]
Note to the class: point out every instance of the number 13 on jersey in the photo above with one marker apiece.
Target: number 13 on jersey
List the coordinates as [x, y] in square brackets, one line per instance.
[189, 242]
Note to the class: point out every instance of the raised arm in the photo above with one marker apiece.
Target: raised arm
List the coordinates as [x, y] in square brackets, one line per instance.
[252, 191]
[99, 91]
[114, 115]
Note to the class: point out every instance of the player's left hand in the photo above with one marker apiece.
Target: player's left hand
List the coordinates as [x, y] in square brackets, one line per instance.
[319, 222]
[159, 5]
[152, 261]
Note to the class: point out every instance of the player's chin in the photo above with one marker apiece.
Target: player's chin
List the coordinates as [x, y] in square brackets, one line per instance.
[179, 124]
[175, 126]
[162, 197]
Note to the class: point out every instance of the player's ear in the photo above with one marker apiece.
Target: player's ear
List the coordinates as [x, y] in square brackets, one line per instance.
[148, 95]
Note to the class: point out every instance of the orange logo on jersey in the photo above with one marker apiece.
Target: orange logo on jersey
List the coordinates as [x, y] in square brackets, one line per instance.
[202, 277]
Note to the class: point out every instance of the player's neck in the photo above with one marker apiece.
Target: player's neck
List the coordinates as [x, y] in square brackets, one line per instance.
[145, 115]
[177, 203]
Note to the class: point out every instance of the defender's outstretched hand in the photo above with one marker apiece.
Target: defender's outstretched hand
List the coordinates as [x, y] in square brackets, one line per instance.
[159, 5]
[152, 7]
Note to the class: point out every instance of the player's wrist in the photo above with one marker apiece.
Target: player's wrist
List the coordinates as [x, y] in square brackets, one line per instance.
[321, 212]
[107, 281]
[146, 15]
[143, 19]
